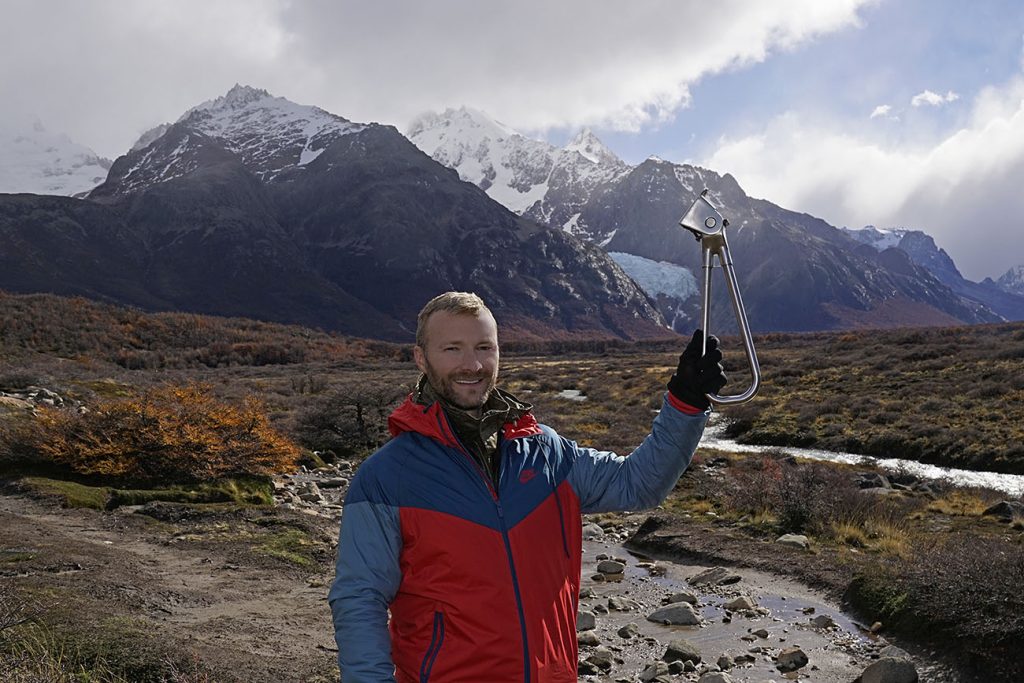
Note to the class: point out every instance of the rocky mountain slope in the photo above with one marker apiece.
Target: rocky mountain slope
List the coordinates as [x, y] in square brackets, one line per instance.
[796, 272]
[999, 296]
[253, 205]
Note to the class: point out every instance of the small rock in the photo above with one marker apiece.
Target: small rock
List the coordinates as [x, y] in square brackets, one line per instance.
[823, 621]
[588, 639]
[611, 567]
[585, 621]
[620, 604]
[760, 633]
[725, 662]
[630, 630]
[893, 651]
[794, 540]
[602, 658]
[592, 532]
[683, 596]
[678, 614]
[682, 650]
[652, 671]
[716, 576]
[715, 677]
[740, 603]
[791, 659]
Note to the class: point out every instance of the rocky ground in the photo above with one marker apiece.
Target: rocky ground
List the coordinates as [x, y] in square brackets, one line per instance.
[219, 585]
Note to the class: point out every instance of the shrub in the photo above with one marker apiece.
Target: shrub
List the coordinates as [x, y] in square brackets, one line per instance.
[170, 434]
[351, 420]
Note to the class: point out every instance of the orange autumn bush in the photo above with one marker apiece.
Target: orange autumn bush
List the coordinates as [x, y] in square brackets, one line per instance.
[169, 434]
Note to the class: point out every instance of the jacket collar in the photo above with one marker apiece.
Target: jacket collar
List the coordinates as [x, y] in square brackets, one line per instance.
[430, 420]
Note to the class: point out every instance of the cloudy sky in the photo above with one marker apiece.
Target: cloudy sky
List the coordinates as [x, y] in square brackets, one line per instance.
[886, 112]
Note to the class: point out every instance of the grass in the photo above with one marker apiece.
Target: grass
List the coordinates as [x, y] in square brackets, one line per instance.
[291, 545]
[254, 491]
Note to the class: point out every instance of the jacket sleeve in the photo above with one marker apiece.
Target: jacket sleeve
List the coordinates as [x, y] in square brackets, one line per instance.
[366, 581]
[605, 481]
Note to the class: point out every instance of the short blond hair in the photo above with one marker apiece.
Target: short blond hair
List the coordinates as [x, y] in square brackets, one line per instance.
[456, 303]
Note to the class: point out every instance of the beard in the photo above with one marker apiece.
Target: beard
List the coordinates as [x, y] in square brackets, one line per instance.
[466, 397]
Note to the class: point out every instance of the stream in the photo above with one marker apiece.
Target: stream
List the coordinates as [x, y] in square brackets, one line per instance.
[1012, 484]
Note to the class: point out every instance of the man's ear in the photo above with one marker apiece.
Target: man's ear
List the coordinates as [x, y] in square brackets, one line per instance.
[420, 358]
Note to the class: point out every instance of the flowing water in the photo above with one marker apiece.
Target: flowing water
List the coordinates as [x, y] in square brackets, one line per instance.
[1012, 484]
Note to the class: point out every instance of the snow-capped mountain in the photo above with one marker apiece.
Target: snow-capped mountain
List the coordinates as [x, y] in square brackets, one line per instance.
[37, 161]
[530, 177]
[269, 134]
[797, 272]
[1012, 280]
[252, 205]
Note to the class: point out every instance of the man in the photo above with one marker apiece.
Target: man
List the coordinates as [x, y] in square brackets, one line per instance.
[466, 525]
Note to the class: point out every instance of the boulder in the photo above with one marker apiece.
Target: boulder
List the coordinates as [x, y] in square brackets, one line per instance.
[592, 532]
[890, 670]
[1006, 510]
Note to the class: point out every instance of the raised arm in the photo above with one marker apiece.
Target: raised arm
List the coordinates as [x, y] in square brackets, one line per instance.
[605, 481]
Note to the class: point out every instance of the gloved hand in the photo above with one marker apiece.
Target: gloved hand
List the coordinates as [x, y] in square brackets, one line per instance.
[698, 375]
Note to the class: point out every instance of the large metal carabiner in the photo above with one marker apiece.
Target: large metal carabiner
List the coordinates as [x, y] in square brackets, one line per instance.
[708, 226]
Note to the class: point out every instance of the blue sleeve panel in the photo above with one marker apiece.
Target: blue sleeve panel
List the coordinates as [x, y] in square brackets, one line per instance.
[605, 482]
[367, 579]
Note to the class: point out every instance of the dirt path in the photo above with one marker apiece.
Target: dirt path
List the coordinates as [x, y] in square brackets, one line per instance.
[253, 619]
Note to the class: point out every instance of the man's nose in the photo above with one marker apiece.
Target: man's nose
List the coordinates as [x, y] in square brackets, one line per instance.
[470, 361]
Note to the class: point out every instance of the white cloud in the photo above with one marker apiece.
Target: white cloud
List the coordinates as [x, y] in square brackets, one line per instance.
[104, 71]
[933, 99]
[964, 189]
[881, 110]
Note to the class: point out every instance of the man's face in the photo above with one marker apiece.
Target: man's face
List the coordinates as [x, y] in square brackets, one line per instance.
[460, 357]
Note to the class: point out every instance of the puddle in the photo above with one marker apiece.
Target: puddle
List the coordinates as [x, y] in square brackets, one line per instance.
[837, 655]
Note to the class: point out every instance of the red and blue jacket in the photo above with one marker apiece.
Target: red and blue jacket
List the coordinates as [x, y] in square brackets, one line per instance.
[482, 584]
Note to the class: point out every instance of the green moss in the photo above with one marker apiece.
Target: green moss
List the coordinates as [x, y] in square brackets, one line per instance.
[72, 494]
[291, 545]
[241, 491]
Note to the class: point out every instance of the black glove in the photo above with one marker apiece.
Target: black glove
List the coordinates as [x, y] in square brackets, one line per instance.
[698, 375]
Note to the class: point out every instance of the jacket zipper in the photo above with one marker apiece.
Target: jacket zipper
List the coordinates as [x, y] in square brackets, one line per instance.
[443, 420]
[436, 640]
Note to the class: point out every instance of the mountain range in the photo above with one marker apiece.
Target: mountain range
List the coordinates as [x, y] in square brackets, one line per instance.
[796, 271]
[252, 205]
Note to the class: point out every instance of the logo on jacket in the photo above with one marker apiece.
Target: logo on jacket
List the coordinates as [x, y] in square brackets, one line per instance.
[527, 475]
